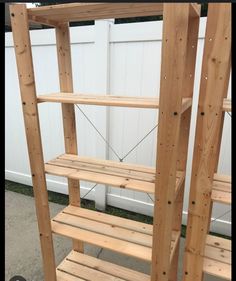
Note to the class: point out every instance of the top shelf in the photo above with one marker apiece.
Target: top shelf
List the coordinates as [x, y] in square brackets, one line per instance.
[58, 14]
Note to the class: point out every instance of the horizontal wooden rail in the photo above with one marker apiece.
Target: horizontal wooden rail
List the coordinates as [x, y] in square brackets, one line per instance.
[108, 100]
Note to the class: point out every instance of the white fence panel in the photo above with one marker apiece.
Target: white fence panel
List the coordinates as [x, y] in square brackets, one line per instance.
[111, 59]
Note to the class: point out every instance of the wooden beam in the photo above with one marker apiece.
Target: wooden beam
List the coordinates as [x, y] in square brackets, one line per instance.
[214, 84]
[20, 29]
[68, 112]
[43, 21]
[92, 11]
[174, 51]
[188, 87]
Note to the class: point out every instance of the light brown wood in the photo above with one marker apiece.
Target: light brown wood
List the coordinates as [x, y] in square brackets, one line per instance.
[217, 257]
[88, 267]
[68, 113]
[221, 190]
[213, 89]
[109, 100]
[43, 21]
[166, 180]
[106, 231]
[108, 172]
[174, 49]
[227, 105]
[111, 220]
[23, 53]
[193, 27]
[93, 11]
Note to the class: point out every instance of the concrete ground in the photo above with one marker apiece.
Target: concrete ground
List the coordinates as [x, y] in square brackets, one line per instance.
[22, 254]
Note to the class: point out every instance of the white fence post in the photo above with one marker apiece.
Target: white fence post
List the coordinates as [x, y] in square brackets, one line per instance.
[102, 55]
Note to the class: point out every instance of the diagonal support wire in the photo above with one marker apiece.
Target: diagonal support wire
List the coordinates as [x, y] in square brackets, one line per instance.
[100, 134]
[229, 114]
[139, 143]
[89, 191]
[99, 253]
[150, 197]
[111, 148]
[215, 219]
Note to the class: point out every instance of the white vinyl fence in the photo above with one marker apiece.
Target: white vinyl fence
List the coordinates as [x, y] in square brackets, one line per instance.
[107, 58]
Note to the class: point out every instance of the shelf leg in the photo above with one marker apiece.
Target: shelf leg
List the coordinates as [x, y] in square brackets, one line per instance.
[20, 29]
[213, 88]
[68, 111]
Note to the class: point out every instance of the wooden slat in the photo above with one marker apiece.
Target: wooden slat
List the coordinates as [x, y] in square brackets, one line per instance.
[108, 100]
[103, 241]
[221, 189]
[218, 242]
[217, 269]
[93, 11]
[63, 276]
[217, 257]
[25, 69]
[108, 219]
[131, 239]
[227, 105]
[90, 268]
[108, 172]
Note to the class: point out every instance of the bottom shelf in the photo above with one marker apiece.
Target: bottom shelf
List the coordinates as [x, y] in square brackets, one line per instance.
[217, 260]
[77, 266]
[117, 234]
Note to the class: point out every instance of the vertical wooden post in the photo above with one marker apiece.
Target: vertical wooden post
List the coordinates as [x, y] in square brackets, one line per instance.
[68, 112]
[174, 52]
[102, 49]
[213, 88]
[188, 86]
[20, 28]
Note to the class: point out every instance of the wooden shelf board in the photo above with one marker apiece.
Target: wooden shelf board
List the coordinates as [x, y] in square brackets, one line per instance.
[122, 175]
[221, 190]
[217, 258]
[77, 266]
[106, 231]
[227, 105]
[108, 100]
[93, 11]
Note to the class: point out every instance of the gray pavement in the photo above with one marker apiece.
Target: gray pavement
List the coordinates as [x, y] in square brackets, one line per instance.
[22, 254]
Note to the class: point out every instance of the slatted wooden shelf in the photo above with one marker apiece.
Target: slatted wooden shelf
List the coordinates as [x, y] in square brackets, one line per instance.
[93, 11]
[114, 233]
[53, 15]
[221, 191]
[77, 266]
[121, 101]
[136, 177]
[217, 259]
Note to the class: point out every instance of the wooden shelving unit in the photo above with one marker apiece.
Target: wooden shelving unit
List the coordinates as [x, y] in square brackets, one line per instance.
[208, 253]
[157, 244]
